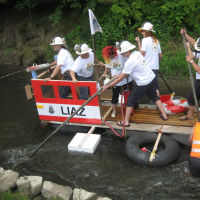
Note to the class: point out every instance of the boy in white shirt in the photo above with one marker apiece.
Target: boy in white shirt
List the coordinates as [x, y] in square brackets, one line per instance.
[83, 67]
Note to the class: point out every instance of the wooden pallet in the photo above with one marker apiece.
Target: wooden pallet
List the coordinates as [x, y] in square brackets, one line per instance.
[151, 116]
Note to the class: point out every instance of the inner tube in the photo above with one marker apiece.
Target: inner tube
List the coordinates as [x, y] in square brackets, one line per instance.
[138, 140]
[175, 106]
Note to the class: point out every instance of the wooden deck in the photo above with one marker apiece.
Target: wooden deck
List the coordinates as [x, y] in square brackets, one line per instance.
[148, 119]
[151, 116]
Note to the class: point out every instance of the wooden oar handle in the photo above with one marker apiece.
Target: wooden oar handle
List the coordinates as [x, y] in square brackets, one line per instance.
[153, 153]
[86, 136]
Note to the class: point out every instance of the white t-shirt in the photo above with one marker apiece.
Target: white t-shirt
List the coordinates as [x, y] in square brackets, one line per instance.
[84, 67]
[138, 69]
[65, 59]
[152, 50]
[197, 56]
[117, 65]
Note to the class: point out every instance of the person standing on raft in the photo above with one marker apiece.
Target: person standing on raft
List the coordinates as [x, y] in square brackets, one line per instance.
[194, 158]
[138, 69]
[189, 59]
[115, 62]
[150, 49]
[64, 63]
[83, 67]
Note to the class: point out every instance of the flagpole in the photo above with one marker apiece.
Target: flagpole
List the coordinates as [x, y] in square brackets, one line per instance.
[94, 26]
[95, 59]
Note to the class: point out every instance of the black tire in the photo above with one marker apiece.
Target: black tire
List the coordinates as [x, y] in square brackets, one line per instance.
[139, 139]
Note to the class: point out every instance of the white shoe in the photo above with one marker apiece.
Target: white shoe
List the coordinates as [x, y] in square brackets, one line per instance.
[113, 114]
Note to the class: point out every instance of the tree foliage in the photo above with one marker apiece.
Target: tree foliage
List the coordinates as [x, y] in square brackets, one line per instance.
[119, 20]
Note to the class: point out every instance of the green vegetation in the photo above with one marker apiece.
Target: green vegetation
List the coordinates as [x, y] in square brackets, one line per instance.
[119, 19]
[17, 196]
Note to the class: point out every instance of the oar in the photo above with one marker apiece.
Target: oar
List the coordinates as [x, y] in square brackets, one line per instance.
[165, 81]
[153, 153]
[94, 95]
[191, 77]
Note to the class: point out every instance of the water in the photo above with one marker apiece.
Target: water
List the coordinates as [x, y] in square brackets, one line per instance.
[107, 172]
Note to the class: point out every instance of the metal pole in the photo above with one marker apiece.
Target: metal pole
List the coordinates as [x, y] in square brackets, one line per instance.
[191, 77]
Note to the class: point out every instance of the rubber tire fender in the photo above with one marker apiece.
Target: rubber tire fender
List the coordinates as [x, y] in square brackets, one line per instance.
[137, 140]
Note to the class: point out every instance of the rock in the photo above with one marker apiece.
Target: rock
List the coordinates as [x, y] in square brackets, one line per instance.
[8, 180]
[84, 195]
[1, 169]
[103, 198]
[51, 190]
[30, 185]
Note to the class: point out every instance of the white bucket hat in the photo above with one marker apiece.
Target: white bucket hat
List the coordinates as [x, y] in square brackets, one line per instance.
[124, 46]
[82, 48]
[197, 44]
[146, 26]
[58, 41]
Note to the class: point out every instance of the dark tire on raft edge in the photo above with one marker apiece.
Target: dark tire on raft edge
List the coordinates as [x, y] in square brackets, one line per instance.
[169, 154]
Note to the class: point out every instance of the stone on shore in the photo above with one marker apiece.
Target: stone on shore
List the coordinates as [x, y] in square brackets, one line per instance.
[30, 185]
[103, 198]
[8, 179]
[1, 169]
[84, 195]
[51, 190]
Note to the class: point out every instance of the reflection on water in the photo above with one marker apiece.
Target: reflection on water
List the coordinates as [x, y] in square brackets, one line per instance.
[107, 172]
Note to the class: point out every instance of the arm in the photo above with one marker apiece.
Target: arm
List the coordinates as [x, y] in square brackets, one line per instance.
[195, 66]
[55, 71]
[100, 63]
[189, 50]
[187, 37]
[121, 77]
[105, 72]
[160, 56]
[137, 39]
[73, 76]
[190, 139]
[53, 63]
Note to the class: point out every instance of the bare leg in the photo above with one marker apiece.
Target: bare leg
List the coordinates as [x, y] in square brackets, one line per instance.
[114, 110]
[158, 93]
[127, 115]
[161, 109]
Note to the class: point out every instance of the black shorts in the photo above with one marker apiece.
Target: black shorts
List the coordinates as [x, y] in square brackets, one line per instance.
[191, 101]
[155, 71]
[194, 166]
[116, 90]
[138, 91]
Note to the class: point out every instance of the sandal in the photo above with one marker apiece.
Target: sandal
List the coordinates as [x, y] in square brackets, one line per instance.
[119, 123]
[185, 117]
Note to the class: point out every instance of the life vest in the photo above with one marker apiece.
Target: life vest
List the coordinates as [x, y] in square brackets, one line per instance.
[195, 151]
[175, 106]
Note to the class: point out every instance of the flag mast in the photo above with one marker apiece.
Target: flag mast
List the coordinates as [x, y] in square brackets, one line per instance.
[94, 27]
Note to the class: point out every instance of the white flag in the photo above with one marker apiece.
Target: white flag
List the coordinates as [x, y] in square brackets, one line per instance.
[94, 25]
